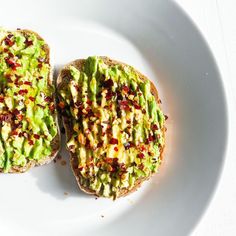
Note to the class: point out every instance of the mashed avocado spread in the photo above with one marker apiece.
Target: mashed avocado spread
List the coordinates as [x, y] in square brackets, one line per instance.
[27, 124]
[117, 126]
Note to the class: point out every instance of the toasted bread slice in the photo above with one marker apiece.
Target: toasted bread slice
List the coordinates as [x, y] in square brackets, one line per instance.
[63, 79]
[55, 142]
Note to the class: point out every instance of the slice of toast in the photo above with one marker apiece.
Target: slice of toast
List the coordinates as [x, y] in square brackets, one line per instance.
[55, 142]
[62, 81]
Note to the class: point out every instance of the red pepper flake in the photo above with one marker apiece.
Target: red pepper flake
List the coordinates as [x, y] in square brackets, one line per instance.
[61, 105]
[10, 54]
[124, 105]
[141, 166]
[136, 106]
[144, 111]
[36, 136]
[154, 127]
[116, 149]
[15, 112]
[109, 95]
[30, 142]
[81, 168]
[142, 148]
[14, 132]
[31, 99]
[9, 42]
[28, 83]
[100, 144]
[113, 141]
[166, 117]
[141, 155]
[109, 160]
[40, 65]
[52, 107]
[150, 138]
[1, 99]
[149, 153]
[48, 99]
[12, 63]
[19, 117]
[89, 102]
[28, 42]
[125, 89]
[140, 94]
[108, 83]
[23, 91]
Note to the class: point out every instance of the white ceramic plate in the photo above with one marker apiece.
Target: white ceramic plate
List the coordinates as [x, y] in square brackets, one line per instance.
[157, 38]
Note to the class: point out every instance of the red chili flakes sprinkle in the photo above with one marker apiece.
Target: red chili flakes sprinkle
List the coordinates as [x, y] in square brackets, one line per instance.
[61, 105]
[12, 63]
[141, 155]
[36, 136]
[141, 166]
[124, 105]
[23, 91]
[19, 117]
[28, 83]
[166, 117]
[81, 168]
[100, 144]
[108, 83]
[154, 127]
[144, 111]
[113, 141]
[142, 148]
[48, 99]
[140, 94]
[52, 107]
[1, 99]
[10, 54]
[40, 65]
[150, 138]
[136, 106]
[9, 42]
[15, 112]
[89, 102]
[109, 95]
[28, 42]
[125, 89]
[31, 99]
[30, 142]
[116, 149]
[14, 132]
[109, 160]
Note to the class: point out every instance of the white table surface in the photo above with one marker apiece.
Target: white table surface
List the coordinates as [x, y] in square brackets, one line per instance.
[216, 19]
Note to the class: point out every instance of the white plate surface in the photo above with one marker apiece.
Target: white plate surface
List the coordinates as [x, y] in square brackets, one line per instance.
[157, 38]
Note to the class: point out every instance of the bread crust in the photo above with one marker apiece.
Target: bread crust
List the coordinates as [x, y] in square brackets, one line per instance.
[63, 78]
[55, 143]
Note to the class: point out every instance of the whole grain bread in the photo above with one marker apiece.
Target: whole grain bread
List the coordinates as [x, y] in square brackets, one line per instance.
[63, 78]
[55, 143]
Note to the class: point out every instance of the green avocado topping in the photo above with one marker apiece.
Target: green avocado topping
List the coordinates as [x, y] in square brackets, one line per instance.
[117, 126]
[27, 124]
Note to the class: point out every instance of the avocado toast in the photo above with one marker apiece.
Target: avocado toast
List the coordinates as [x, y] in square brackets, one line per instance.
[29, 133]
[114, 125]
